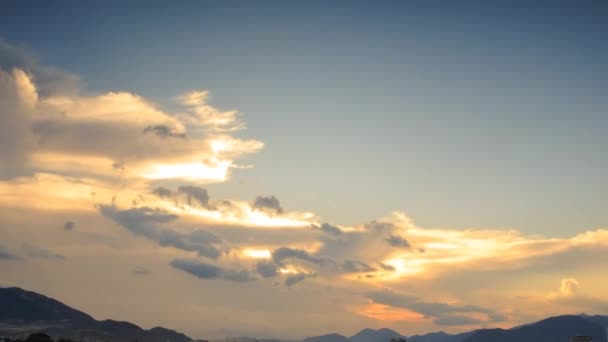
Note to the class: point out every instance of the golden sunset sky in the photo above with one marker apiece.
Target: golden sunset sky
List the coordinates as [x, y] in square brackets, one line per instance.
[361, 166]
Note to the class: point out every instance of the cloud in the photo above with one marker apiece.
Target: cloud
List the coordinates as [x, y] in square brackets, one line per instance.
[162, 192]
[283, 253]
[570, 295]
[442, 313]
[569, 288]
[199, 269]
[366, 243]
[397, 241]
[140, 221]
[387, 267]
[17, 100]
[37, 252]
[267, 204]
[152, 224]
[293, 279]
[203, 115]
[329, 229]
[208, 271]
[352, 266]
[195, 193]
[164, 131]
[190, 242]
[46, 117]
[69, 225]
[266, 269]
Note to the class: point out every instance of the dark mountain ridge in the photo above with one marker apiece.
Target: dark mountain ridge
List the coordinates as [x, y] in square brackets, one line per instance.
[24, 312]
[28, 306]
[554, 329]
[558, 329]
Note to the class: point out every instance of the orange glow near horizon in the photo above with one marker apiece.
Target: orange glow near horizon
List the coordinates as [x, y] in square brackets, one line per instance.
[384, 312]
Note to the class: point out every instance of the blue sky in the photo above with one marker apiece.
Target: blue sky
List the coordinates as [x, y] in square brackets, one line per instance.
[481, 123]
[465, 114]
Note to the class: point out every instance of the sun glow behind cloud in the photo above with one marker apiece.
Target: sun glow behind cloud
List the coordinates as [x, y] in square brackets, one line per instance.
[241, 213]
[257, 253]
[190, 171]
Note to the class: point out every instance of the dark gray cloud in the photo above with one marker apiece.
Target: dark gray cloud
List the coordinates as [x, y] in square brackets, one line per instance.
[397, 241]
[69, 225]
[195, 193]
[442, 313]
[296, 278]
[198, 269]
[164, 131]
[152, 224]
[203, 236]
[171, 238]
[5, 254]
[162, 192]
[283, 253]
[379, 226]
[267, 204]
[208, 271]
[142, 221]
[353, 266]
[267, 269]
[38, 252]
[329, 229]
[387, 267]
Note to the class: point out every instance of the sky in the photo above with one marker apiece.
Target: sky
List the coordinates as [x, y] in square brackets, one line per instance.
[287, 169]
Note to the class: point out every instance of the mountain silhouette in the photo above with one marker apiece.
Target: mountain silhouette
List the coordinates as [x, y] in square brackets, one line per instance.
[27, 306]
[554, 329]
[557, 329]
[440, 336]
[327, 338]
[25, 312]
[365, 335]
[371, 335]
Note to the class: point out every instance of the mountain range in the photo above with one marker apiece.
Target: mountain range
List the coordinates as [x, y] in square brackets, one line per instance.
[23, 312]
[554, 329]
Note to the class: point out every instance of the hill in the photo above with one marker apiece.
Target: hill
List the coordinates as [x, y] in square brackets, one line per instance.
[25, 312]
[557, 329]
